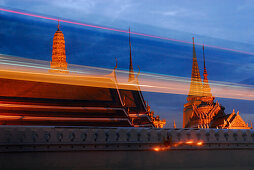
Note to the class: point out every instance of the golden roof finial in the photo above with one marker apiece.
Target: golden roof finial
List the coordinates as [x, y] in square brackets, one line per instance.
[206, 87]
[196, 86]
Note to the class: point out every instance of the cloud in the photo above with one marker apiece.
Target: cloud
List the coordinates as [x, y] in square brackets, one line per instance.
[198, 17]
[167, 13]
[246, 5]
[85, 5]
[172, 12]
[179, 12]
[2, 3]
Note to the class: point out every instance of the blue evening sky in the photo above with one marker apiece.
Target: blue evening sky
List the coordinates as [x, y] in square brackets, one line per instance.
[227, 24]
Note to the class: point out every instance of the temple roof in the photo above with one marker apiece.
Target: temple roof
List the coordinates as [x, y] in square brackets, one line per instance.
[219, 121]
[230, 121]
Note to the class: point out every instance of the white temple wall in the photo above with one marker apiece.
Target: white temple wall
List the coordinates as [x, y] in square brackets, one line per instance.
[21, 138]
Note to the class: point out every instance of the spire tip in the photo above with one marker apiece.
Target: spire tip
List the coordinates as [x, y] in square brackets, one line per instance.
[58, 25]
[131, 73]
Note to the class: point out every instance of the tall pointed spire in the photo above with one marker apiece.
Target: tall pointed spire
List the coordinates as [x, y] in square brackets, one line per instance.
[205, 72]
[196, 86]
[131, 72]
[58, 25]
[206, 87]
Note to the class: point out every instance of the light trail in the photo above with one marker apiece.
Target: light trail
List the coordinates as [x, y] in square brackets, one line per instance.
[102, 77]
[36, 118]
[177, 144]
[120, 30]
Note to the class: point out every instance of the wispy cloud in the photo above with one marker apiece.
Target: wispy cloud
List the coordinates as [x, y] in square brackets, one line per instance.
[85, 5]
[2, 3]
[245, 5]
[178, 12]
[207, 18]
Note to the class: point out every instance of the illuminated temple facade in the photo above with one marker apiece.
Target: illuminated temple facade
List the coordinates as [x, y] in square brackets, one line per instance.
[60, 98]
[58, 63]
[201, 111]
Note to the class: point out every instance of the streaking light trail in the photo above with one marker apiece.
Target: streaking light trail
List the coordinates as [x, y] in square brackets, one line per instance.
[178, 144]
[119, 30]
[36, 70]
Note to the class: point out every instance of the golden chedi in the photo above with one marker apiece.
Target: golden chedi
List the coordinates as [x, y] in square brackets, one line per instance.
[58, 63]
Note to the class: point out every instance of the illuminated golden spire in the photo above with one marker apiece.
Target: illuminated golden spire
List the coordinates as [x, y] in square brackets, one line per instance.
[196, 86]
[206, 87]
[58, 63]
[131, 72]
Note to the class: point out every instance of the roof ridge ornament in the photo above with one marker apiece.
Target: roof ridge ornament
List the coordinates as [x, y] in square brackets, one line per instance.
[138, 73]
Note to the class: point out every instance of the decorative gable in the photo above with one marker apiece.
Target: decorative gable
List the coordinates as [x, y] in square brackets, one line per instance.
[237, 123]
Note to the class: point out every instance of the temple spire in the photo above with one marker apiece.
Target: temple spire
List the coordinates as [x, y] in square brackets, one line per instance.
[206, 87]
[131, 72]
[58, 25]
[205, 72]
[196, 86]
[58, 63]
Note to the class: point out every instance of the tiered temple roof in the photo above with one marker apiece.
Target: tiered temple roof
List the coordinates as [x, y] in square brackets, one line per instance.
[201, 111]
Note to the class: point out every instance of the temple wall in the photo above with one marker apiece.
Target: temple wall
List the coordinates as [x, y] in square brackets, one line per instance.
[21, 138]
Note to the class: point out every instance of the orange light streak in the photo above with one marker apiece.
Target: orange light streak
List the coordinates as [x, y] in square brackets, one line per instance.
[95, 77]
[189, 142]
[177, 144]
[36, 118]
[200, 143]
[161, 148]
[157, 149]
[119, 30]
